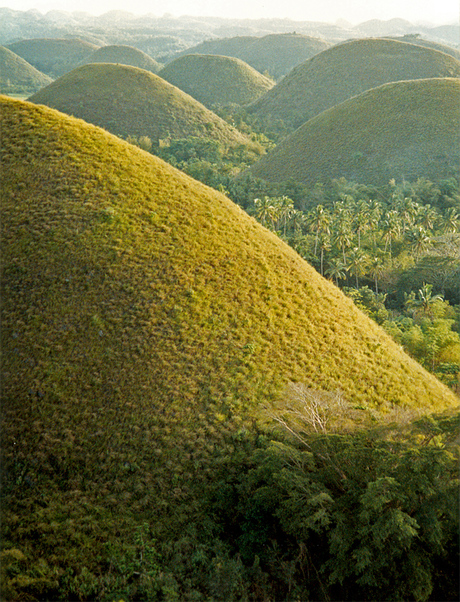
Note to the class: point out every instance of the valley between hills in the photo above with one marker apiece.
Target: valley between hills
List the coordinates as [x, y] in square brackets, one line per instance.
[230, 316]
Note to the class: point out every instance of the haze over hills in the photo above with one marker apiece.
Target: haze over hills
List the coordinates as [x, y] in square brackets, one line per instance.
[17, 76]
[128, 101]
[275, 54]
[53, 56]
[214, 79]
[402, 130]
[346, 70]
[415, 39]
[123, 55]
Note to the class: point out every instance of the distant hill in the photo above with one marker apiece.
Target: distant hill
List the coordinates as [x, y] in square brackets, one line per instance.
[275, 54]
[133, 102]
[53, 56]
[123, 55]
[416, 39]
[212, 79]
[346, 70]
[17, 77]
[406, 129]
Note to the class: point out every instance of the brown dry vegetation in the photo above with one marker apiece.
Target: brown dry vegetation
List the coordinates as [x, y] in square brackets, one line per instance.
[402, 130]
[128, 101]
[347, 70]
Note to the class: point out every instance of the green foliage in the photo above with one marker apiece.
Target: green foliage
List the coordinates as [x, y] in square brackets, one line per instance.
[17, 77]
[123, 55]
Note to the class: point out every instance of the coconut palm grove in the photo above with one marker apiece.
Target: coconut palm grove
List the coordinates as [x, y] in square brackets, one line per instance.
[230, 309]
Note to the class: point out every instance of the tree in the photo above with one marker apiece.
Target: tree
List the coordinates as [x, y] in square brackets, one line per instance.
[423, 301]
[336, 270]
[318, 220]
[357, 263]
[419, 240]
[376, 269]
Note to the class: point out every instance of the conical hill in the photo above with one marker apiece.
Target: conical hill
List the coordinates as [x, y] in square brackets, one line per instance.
[347, 70]
[213, 79]
[276, 53]
[128, 285]
[128, 101]
[403, 130]
[123, 55]
[53, 56]
[17, 77]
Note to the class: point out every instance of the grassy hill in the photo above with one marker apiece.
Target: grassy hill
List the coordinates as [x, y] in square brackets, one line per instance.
[124, 55]
[17, 77]
[415, 39]
[133, 102]
[146, 321]
[276, 54]
[212, 79]
[406, 129]
[53, 56]
[346, 70]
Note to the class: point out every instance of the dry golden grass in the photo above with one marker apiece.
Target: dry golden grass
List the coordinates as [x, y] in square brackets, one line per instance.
[128, 101]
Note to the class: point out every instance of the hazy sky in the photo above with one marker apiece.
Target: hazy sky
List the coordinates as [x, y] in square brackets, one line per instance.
[355, 11]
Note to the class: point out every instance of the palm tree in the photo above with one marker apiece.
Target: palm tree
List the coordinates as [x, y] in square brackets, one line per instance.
[286, 208]
[342, 236]
[357, 263]
[424, 300]
[336, 270]
[419, 240]
[450, 221]
[361, 220]
[391, 228]
[324, 245]
[318, 220]
[376, 268]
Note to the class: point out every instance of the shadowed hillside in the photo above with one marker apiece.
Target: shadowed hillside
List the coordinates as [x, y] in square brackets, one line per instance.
[402, 130]
[124, 55]
[346, 70]
[276, 54]
[145, 319]
[133, 102]
[216, 79]
[53, 56]
[17, 77]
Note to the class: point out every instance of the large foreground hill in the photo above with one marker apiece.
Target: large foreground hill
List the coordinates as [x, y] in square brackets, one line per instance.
[144, 317]
[347, 70]
[128, 101]
[403, 130]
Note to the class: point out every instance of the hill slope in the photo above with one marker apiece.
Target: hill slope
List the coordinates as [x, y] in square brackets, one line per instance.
[17, 77]
[275, 53]
[53, 56]
[145, 320]
[418, 41]
[213, 79]
[124, 55]
[133, 102]
[346, 70]
[400, 130]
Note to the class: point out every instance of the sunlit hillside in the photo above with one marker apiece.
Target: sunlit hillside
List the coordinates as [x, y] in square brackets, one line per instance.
[212, 79]
[347, 70]
[128, 101]
[403, 130]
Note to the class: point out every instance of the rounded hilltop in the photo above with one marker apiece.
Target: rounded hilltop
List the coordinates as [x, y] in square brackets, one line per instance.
[213, 79]
[403, 130]
[53, 56]
[275, 54]
[17, 76]
[123, 55]
[128, 101]
[346, 70]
